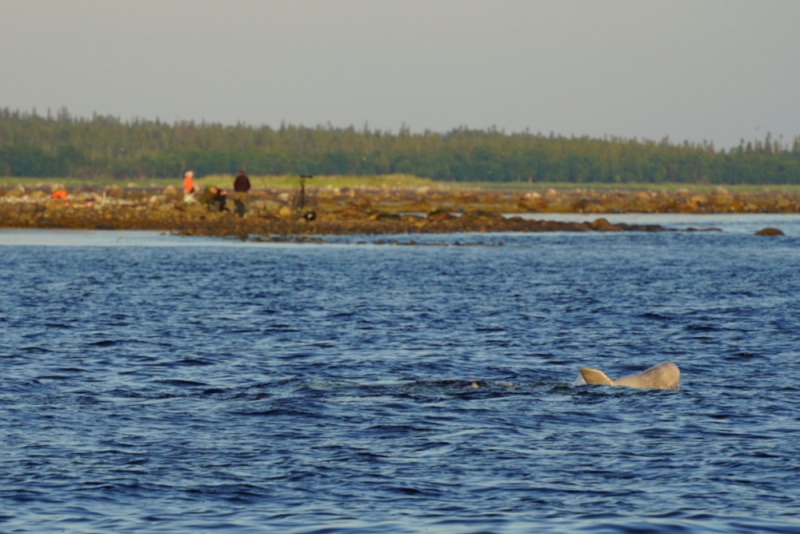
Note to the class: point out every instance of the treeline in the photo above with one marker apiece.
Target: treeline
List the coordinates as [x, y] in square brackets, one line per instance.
[60, 145]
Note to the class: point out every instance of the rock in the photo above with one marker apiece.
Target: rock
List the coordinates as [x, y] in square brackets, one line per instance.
[266, 205]
[84, 196]
[480, 214]
[36, 195]
[438, 215]
[352, 213]
[576, 227]
[770, 231]
[602, 225]
[197, 209]
[113, 191]
[285, 212]
[54, 204]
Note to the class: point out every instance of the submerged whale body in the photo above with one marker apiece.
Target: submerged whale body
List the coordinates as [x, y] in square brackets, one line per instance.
[665, 375]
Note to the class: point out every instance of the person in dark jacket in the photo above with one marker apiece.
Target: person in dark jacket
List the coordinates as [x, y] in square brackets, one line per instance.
[241, 185]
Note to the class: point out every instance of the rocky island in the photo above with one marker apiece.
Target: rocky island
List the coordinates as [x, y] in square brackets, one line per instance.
[328, 210]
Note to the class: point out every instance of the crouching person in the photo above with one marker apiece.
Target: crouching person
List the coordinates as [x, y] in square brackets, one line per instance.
[214, 197]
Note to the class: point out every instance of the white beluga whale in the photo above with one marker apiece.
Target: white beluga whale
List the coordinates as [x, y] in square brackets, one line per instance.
[665, 375]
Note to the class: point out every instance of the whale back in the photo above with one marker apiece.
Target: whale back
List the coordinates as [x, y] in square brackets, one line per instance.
[665, 375]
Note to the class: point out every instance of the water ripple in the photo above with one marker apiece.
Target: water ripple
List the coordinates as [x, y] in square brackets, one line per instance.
[402, 389]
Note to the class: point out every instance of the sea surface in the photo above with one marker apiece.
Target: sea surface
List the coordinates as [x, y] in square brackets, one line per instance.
[154, 383]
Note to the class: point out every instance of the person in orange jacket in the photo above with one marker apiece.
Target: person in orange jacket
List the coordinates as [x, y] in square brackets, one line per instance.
[189, 188]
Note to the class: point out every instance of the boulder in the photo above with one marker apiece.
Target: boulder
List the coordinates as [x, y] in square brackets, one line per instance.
[438, 215]
[480, 214]
[770, 231]
[55, 203]
[602, 225]
[352, 213]
[83, 196]
[113, 191]
[197, 209]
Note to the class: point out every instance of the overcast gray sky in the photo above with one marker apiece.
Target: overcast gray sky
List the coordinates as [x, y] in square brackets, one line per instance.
[716, 70]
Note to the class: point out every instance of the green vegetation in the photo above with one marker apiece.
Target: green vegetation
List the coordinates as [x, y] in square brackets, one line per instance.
[387, 180]
[105, 147]
[391, 181]
[74, 181]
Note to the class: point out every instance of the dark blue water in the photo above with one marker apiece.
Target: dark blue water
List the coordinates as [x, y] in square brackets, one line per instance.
[326, 388]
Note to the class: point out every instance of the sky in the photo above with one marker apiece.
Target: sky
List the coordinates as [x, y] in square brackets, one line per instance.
[713, 70]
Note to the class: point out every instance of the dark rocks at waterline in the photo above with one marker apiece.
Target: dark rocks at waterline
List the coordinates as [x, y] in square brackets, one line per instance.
[197, 220]
[770, 231]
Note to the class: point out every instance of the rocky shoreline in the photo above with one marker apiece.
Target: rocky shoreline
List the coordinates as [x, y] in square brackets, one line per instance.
[364, 210]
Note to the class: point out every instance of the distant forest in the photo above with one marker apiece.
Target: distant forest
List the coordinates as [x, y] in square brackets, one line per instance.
[103, 146]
